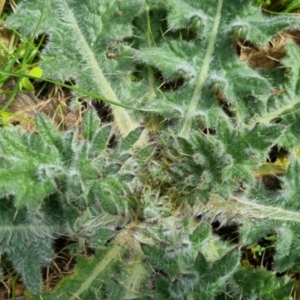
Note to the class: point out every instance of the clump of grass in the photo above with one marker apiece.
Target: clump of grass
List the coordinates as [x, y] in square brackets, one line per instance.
[17, 55]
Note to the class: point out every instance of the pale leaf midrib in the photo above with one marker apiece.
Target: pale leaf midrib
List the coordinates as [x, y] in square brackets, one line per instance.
[124, 124]
[202, 73]
[239, 207]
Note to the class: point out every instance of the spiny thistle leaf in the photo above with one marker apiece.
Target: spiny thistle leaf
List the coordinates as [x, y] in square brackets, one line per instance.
[147, 212]
[23, 173]
[259, 283]
[90, 124]
[27, 235]
[56, 188]
[48, 131]
[74, 39]
[221, 161]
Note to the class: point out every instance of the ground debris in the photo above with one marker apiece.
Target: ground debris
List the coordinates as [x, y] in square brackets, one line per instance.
[267, 56]
[26, 105]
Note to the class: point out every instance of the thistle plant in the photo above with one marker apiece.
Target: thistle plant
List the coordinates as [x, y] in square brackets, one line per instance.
[143, 190]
